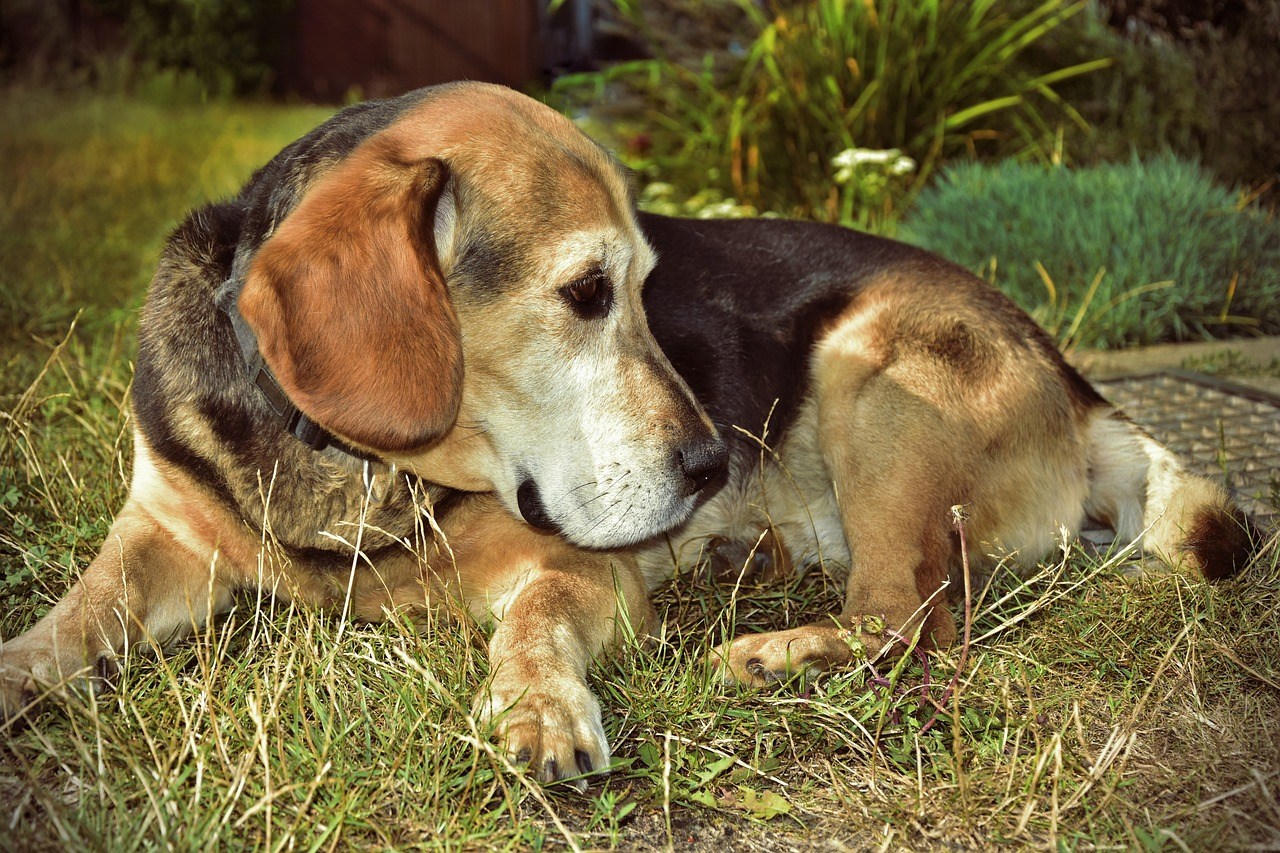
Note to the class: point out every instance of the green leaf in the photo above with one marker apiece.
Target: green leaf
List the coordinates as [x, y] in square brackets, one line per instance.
[764, 805]
[965, 116]
[714, 769]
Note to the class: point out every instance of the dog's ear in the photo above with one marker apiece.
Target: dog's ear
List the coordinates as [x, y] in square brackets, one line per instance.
[350, 307]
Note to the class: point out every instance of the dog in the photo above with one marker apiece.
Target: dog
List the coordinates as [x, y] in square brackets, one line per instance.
[432, 360]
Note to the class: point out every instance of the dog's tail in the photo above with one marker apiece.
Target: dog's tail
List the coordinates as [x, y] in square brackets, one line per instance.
[1141, 490]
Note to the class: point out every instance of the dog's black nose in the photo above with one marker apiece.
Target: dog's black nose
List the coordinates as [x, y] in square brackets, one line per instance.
[702, 461]
[531, 506]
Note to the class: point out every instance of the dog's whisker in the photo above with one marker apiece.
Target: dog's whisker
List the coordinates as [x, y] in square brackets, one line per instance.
[558, 502]
[602, 515]
[606, 492]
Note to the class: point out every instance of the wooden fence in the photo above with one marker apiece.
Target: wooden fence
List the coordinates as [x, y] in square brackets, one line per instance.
[376, 48]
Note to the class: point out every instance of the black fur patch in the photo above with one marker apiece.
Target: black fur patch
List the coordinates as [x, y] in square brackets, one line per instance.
[1222, 541]
[737, 306]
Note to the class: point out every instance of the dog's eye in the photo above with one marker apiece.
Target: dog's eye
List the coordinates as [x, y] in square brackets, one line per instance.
[585, 290]
[589, 296]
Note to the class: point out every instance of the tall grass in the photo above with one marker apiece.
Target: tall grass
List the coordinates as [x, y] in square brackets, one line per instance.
[928, 78]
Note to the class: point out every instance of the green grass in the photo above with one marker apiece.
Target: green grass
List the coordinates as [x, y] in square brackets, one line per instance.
[1094, 710]
[1233, 363]
[92, 185]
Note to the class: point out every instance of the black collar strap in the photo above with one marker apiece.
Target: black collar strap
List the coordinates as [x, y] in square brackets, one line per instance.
[259, 374]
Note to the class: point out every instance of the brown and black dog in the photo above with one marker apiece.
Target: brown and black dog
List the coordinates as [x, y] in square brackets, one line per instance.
[438, 315]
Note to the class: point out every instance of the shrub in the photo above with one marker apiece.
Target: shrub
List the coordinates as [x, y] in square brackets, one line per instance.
[927, 78]
[1205, 86]
[232, 46]
[1110, 255]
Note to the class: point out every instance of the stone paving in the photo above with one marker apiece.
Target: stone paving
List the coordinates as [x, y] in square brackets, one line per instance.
[1222, 430]
[1226, 428]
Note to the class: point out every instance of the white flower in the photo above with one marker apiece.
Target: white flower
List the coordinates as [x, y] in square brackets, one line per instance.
[848, 161]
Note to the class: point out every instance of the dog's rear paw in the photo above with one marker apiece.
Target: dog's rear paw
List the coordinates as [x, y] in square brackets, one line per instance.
[757, 660]
[552, 727]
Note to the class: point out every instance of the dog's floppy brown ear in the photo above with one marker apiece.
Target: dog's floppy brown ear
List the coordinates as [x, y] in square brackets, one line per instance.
[350, 307]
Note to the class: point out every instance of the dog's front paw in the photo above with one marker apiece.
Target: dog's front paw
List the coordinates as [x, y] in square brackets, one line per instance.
[553, 726]
[31, 669]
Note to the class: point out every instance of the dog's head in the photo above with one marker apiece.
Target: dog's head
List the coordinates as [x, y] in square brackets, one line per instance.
[461, 294]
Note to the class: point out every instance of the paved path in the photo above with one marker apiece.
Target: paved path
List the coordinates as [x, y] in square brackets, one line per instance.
[1226, 425]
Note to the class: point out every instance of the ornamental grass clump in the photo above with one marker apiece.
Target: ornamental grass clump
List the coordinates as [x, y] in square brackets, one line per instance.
[1127, 253]
[930, 79]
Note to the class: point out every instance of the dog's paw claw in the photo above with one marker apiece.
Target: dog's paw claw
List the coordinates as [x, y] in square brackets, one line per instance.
[554, 730]
[107, 674]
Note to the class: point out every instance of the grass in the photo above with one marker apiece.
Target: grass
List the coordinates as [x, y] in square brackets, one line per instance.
[1095, 710]
[1233, 363]
[92, 185]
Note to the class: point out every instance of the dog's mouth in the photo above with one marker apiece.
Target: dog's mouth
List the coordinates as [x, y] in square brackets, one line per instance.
[534, 512]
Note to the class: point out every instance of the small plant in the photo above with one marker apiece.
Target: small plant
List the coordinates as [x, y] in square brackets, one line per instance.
[1131, 253]
[868, 179]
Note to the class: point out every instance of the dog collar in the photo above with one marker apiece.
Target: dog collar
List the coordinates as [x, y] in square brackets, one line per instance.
[260, 376]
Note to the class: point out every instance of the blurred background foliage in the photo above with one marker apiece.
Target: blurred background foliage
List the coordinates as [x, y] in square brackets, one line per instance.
[214, 48]
[1200, 78]
[924, 119]
[1112, 164]
[230, 46]
[791, 84]
[930, 79]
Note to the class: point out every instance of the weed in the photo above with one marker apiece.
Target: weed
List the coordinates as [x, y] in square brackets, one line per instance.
[930, 79]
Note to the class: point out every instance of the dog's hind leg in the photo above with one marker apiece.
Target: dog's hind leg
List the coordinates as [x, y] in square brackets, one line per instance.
[913, 414]
[149, 584]
[892, 461]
